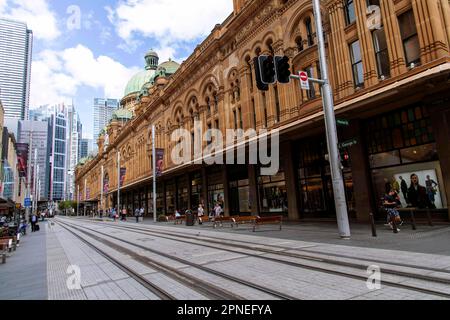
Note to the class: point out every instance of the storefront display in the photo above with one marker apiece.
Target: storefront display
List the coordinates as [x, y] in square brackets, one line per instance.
[403, 157]
[273, 194]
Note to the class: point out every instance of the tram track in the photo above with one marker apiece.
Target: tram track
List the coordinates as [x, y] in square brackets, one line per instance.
[207, 289]
[219, 243]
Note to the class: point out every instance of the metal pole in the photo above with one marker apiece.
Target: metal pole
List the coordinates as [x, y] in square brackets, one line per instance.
[85, 196]
[101, 188]
[78, 200]
[35, 182]
[118, 183]
[154, 172]
[332, 138]
[27, 211]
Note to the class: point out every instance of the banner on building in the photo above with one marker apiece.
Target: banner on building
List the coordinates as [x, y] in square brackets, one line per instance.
[123, 172]
[88, 194]
[22, 159]
[106, 184]
[159, 162]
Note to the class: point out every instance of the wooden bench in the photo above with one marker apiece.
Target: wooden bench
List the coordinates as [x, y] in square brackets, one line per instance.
[218, 221]
[243, 220]
[9, 243]
[277, 220]
[3, 251]
[203, 219]
[180, 220]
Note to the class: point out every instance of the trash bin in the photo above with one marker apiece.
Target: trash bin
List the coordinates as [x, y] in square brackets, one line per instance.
[190, 222]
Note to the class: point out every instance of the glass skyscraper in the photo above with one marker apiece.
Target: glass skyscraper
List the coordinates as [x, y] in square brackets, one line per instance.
[103, 111]
[16, 43]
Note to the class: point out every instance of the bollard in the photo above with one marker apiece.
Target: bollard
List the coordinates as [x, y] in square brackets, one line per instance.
[430, 220]
[372, 221]
[413, 219]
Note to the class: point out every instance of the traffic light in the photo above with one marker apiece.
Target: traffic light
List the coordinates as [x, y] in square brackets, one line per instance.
[282, 69]
[259, 84]
[267, 69]
[345, 159]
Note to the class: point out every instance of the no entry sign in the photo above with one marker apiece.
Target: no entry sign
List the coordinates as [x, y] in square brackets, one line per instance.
[304, 80]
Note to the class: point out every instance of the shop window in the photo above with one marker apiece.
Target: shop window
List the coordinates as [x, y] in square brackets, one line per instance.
[410, 37]
[272, 193]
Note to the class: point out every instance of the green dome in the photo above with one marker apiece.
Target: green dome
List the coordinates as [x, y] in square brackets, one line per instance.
[170, 66]
[137, 82]
[122, 114]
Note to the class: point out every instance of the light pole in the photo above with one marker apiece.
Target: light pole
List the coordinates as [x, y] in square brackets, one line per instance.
[118, 183]
[78, 200]
[154, 171]
[85, 196]
[331, 130]
[27, 209]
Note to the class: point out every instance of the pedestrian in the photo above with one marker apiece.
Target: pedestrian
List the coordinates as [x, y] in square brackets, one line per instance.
[136, 214]
[177, 216]
[391, 202]
[200, 214]
[124, 214]
[142, 213]
[218, 210]
[33, 221]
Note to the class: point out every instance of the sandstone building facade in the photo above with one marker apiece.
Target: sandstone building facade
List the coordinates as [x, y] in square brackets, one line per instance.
[389, 66]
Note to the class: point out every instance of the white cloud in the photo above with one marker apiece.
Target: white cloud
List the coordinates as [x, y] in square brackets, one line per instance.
[37, 15]
[168, 21]
[57, 75]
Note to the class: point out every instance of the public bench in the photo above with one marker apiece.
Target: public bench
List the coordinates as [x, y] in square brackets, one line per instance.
[176, 221]
[219, 221]
[12, 240]
[243, 220]
[275, 220]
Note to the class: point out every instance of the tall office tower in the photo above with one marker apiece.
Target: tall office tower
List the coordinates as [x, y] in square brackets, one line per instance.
[58, 122]
[74, 137]
[16, 43]
[40, 141]
[86, 148]
[103, 111]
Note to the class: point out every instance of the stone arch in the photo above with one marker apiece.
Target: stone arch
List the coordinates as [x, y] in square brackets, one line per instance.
[304, 9]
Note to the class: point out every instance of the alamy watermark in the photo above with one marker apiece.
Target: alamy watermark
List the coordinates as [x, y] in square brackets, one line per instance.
[74, 279]
[74, 20]
[374, 280]
[263, 147]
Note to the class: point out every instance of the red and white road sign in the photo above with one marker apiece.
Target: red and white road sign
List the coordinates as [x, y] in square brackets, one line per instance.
[304, 80]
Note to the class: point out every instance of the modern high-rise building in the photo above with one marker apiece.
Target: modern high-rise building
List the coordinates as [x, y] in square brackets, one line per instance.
[103, 111]
[58, 122]
[87, 147]
[74, 137]
[16, 43]
[40, 141]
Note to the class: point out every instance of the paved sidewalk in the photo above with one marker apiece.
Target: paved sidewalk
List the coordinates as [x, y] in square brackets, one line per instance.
[24, 276]
[426, 239]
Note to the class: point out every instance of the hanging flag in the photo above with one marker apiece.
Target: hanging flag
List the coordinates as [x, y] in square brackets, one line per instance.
[123, 172]
[159, 162]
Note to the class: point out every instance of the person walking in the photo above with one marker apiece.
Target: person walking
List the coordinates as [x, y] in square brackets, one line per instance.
[391, 203]
[141, 214]
[136, 214]
[200, 214]
[33, 221]
[124, 214]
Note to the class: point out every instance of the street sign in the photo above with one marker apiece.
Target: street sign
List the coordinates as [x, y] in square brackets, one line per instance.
[304, 80]
[27, 203]
[342, 122]
[348, 143]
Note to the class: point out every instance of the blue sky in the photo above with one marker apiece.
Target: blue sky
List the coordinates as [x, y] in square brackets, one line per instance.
[85, 49]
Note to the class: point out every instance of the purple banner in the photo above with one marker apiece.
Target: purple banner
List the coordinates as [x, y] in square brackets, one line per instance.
[123, 172]
[159, 162]
[22, 159]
